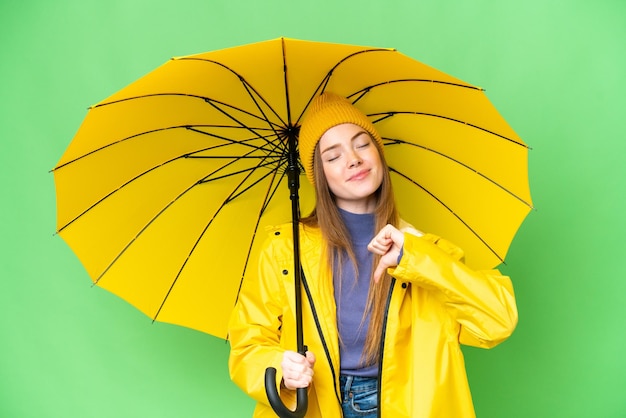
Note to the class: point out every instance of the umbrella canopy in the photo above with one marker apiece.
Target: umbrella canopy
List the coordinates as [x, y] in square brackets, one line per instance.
[168, 185]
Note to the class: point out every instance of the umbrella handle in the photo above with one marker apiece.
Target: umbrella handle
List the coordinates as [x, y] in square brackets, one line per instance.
[277, 404]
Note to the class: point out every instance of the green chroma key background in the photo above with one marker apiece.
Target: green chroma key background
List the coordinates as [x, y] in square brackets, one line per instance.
[555, 70]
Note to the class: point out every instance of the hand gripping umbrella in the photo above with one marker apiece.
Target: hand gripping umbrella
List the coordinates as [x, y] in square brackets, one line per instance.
[168, 183]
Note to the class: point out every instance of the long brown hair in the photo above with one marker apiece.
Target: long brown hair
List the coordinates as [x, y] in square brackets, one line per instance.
[327, 217]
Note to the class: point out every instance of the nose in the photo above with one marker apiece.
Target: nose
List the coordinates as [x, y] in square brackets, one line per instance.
[354, 160]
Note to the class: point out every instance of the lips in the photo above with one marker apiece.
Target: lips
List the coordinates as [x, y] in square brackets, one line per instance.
[360, 175]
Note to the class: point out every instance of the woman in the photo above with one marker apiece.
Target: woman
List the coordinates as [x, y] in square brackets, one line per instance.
[385, 307]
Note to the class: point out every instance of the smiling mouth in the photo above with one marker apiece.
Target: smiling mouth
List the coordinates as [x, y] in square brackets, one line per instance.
[359, 176]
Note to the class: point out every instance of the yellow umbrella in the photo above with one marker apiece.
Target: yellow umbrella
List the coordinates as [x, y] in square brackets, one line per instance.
[167, 187]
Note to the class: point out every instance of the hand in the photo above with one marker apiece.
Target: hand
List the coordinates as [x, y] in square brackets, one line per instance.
[388, 244]
[297, 369]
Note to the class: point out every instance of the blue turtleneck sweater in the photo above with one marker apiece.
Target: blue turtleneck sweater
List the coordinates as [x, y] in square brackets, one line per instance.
[351, 295]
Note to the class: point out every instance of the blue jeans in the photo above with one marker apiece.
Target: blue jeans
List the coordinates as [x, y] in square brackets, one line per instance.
[359, 396]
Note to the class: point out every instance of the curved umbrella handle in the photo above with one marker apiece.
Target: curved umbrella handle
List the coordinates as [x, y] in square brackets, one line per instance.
[277, 404]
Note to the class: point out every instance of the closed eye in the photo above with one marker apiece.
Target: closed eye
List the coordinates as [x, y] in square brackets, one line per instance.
[330, 157]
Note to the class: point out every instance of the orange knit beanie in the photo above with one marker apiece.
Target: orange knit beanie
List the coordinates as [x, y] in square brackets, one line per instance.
[328, 110]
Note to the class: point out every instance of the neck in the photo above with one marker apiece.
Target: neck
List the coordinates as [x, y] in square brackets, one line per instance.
[359, 207]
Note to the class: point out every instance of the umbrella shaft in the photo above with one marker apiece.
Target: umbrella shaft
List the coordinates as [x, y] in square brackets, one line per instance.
[293, 174]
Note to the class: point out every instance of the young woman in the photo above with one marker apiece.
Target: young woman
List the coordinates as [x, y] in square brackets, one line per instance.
[385, 307]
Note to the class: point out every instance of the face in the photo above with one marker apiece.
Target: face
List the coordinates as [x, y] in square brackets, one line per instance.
[352, 167]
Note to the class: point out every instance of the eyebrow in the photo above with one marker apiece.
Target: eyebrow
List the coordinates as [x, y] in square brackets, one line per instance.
[355, 136]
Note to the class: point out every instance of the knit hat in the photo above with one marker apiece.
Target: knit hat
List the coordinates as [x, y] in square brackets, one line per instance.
[326, 111]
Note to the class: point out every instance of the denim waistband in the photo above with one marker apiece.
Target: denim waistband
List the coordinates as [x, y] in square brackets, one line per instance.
[357, 383]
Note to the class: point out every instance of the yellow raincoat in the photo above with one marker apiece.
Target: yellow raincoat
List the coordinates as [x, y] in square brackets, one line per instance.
[436, 304]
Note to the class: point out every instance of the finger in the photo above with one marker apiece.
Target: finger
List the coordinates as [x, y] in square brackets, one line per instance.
[293, 384]
[294, 369]
[371, 247]
[380, 245]
[391, 235]
[310, 357]
[378, 273]
[296, 363]
[294, 357]
[296, 376]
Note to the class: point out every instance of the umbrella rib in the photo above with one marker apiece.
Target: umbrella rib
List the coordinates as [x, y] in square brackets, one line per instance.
[243, 81]
[360, 93]
[188, 127]
[285, 81]
[364, 91]
[256, 182]
[390, 142]
[240, 123]
[160, 212]
[321, 87]
[187, 155]
[450, 211]
[233, 142]
[246, 170]
[173, 94]
[272, 188]
[212, 102]
[230, 198]
[385, 115]
[278, 164]
[191, 251]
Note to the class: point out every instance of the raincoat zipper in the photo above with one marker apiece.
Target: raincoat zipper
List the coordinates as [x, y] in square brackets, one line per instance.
[321, 334]
[382, 348]
[327, 353]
